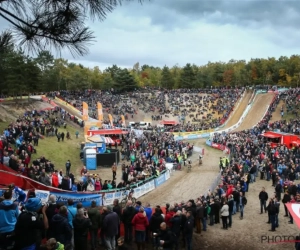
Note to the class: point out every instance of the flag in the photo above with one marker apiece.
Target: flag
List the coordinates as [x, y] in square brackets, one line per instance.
[111, 120]
[85, 111]
[100, 112]
[123, 121]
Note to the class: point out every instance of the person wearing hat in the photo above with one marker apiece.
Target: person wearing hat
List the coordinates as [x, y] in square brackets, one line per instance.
[29, 223]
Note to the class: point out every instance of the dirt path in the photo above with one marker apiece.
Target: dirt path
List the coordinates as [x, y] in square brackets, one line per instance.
[238, 113]
[183, 185]
[257, 111]
[276, 114]
[248, 233]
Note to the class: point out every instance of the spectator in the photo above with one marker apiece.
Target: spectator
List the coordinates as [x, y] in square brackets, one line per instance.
[29, 223]
[165, 237]
[110, 227]
[50, 212]
[9, 213]
[96, 219]
[61, 228]
[140, 223]
[188, 230]
[81, 225]
[127, 216]
[225, 214]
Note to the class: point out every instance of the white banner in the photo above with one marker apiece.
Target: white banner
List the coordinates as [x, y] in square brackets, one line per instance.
[108, 199]
[167, 174]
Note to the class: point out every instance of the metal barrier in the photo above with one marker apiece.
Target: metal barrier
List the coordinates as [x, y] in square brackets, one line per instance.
[215, 183]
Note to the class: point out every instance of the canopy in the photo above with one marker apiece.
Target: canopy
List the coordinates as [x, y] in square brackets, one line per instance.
[101, 139]
[294, 209]
[168, 122]
[271, 135]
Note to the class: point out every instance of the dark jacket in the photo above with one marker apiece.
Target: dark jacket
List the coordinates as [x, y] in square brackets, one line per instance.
[176, 224]
[230, 205]
[62, 230]
[155, 221]
[128, 214]
[189, 226]
[95, 217]
[263, 195]
[117, 209]
[167, 237]
[111, 224]
[81, 227]
[200, 212]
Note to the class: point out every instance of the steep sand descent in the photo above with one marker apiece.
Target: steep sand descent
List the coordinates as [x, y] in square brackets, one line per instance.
[260, 106]
[238, 113]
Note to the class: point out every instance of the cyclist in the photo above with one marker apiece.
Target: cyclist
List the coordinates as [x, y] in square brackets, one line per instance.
[18, 192]
[189, 165]
[200, 159]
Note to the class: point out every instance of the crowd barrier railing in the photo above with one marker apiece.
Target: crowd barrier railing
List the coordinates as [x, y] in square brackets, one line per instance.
[103, 198]
[214, 184]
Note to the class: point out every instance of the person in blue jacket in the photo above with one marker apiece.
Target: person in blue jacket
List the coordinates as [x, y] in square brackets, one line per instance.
[9, 213]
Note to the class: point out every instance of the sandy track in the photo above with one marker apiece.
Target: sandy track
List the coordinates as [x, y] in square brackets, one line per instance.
[257, 111]
[238, 113]
[185, 186]
[276, 116]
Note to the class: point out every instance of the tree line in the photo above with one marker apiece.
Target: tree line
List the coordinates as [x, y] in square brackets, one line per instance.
[22, 74]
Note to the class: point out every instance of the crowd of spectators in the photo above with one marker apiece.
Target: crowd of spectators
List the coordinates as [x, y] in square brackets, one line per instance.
[159, 103]
[69, 224]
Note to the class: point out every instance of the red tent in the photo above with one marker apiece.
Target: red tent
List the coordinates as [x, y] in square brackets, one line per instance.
[169, 123]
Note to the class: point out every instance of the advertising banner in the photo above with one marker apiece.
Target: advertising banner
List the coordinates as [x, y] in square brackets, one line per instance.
[160, 180]
[108, 199]
[167, 175]
[85, 199]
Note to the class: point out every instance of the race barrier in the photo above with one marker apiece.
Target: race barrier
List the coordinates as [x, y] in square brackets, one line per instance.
[101, 198]
[218, 146]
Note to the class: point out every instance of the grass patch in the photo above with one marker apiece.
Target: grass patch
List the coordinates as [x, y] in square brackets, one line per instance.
[289, 116]
[59, 152]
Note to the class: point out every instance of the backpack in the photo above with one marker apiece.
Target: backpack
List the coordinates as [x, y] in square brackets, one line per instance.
[208, 210]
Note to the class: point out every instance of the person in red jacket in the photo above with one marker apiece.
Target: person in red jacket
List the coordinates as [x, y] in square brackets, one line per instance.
[170, 214]
[55, 182]
[139, 223]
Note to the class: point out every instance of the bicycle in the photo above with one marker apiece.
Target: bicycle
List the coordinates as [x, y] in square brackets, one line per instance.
[200, 160]
[127, 198]
[189, 168]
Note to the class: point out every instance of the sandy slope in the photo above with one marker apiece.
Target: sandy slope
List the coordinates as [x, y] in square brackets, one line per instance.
[257, 111]
[238, 113]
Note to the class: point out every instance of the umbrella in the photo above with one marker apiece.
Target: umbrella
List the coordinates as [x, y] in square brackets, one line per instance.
[294, 209]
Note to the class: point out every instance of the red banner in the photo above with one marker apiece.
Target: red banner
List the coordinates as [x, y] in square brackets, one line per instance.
[220, 147]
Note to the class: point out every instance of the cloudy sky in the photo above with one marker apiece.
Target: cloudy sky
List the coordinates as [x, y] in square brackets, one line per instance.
[169, 32]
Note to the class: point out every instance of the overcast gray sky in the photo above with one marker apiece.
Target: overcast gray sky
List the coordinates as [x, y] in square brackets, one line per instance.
[169, 32]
